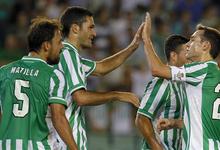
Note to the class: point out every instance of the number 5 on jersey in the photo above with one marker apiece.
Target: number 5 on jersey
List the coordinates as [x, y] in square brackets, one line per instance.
[24, 108]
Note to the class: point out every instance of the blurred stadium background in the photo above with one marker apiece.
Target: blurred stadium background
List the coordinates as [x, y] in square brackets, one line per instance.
[110, 126]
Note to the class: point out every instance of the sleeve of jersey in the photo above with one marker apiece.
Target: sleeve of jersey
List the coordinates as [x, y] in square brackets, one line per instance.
[58, 88]
[88, 66]
[156, 95]
[70, 65]
[191, 73]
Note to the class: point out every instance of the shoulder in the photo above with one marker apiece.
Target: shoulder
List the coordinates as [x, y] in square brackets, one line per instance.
[195, 64]
[157, 82]
[56, 73]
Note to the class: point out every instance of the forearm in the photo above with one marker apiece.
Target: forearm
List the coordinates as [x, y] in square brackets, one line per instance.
[88, 98]
[110, 63]
[158, 68]
[145, 126]
[62, 127]
[83, 97]
[178, 123]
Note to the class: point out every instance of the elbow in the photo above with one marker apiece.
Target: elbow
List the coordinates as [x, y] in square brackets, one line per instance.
[79, 101]
[155, 72]
[79, 97]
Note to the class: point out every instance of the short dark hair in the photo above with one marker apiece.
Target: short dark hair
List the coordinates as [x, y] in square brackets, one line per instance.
[213, 36]
[73, 15]
[41, 30]
[172, 43]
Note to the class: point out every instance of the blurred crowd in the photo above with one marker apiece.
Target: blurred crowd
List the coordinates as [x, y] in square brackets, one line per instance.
[116, 23]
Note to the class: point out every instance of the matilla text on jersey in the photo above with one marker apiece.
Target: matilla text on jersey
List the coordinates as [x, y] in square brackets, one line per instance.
[25, 71]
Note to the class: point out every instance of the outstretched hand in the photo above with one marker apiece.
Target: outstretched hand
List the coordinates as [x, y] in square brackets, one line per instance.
[137, 38]
[129, 97]
[147, 27]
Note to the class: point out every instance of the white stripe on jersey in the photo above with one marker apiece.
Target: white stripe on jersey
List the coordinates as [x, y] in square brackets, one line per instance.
[211, 144]
[52, 84]
[197, 79]
[62, 83]
[58, 98]
[218, 143]
[19, 144]
[81, 134]
[1, 144]
[70, 66]
[8, 144]
[30, 145]
[196, 135]
[159, 95]
[195, 68]
[76, 115]
[40, 146]
[60, 67]
[79, 65]
[146, 96]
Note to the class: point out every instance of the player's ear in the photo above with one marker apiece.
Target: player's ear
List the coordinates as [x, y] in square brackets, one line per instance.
[74, 28]
[46, 46]
[173, 56]
[206, 45]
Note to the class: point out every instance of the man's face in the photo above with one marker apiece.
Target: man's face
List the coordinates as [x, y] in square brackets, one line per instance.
[87, 33]
[194, 46]
[55, 49]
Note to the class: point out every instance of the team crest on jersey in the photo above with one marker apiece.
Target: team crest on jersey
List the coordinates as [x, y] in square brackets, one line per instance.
[180, 75]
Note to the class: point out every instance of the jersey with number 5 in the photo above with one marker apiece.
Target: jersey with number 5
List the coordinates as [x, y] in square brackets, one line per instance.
[202, 107]
[27, 87]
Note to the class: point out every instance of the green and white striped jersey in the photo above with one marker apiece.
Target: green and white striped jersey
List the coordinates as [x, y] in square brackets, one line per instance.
[202, 115]
[76, 70]
[163, 99]
[27, 87]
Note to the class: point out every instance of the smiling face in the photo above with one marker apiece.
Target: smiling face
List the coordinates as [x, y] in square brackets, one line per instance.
[87, 32]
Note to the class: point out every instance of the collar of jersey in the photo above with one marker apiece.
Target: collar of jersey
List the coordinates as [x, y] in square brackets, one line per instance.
[72, 46]
[212, 62]
[33, 59]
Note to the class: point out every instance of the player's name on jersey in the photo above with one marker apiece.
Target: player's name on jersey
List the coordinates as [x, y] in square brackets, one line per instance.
[25, 71]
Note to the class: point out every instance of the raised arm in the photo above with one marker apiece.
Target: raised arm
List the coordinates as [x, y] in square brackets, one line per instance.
[110, 63]
[157, 67]
[62, 125]
[145, 126]
[84, 97]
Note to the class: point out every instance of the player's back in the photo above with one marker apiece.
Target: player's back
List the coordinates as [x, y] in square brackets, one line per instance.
[24, 87]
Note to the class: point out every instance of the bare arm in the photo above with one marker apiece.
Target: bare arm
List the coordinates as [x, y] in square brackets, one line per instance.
[166, 124]
[110, 63]
[83, 97]
[157, 67]
[62, 125]
[145, 126]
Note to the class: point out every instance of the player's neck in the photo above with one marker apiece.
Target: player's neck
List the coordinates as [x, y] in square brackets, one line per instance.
[37, 55]
[74, 41]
